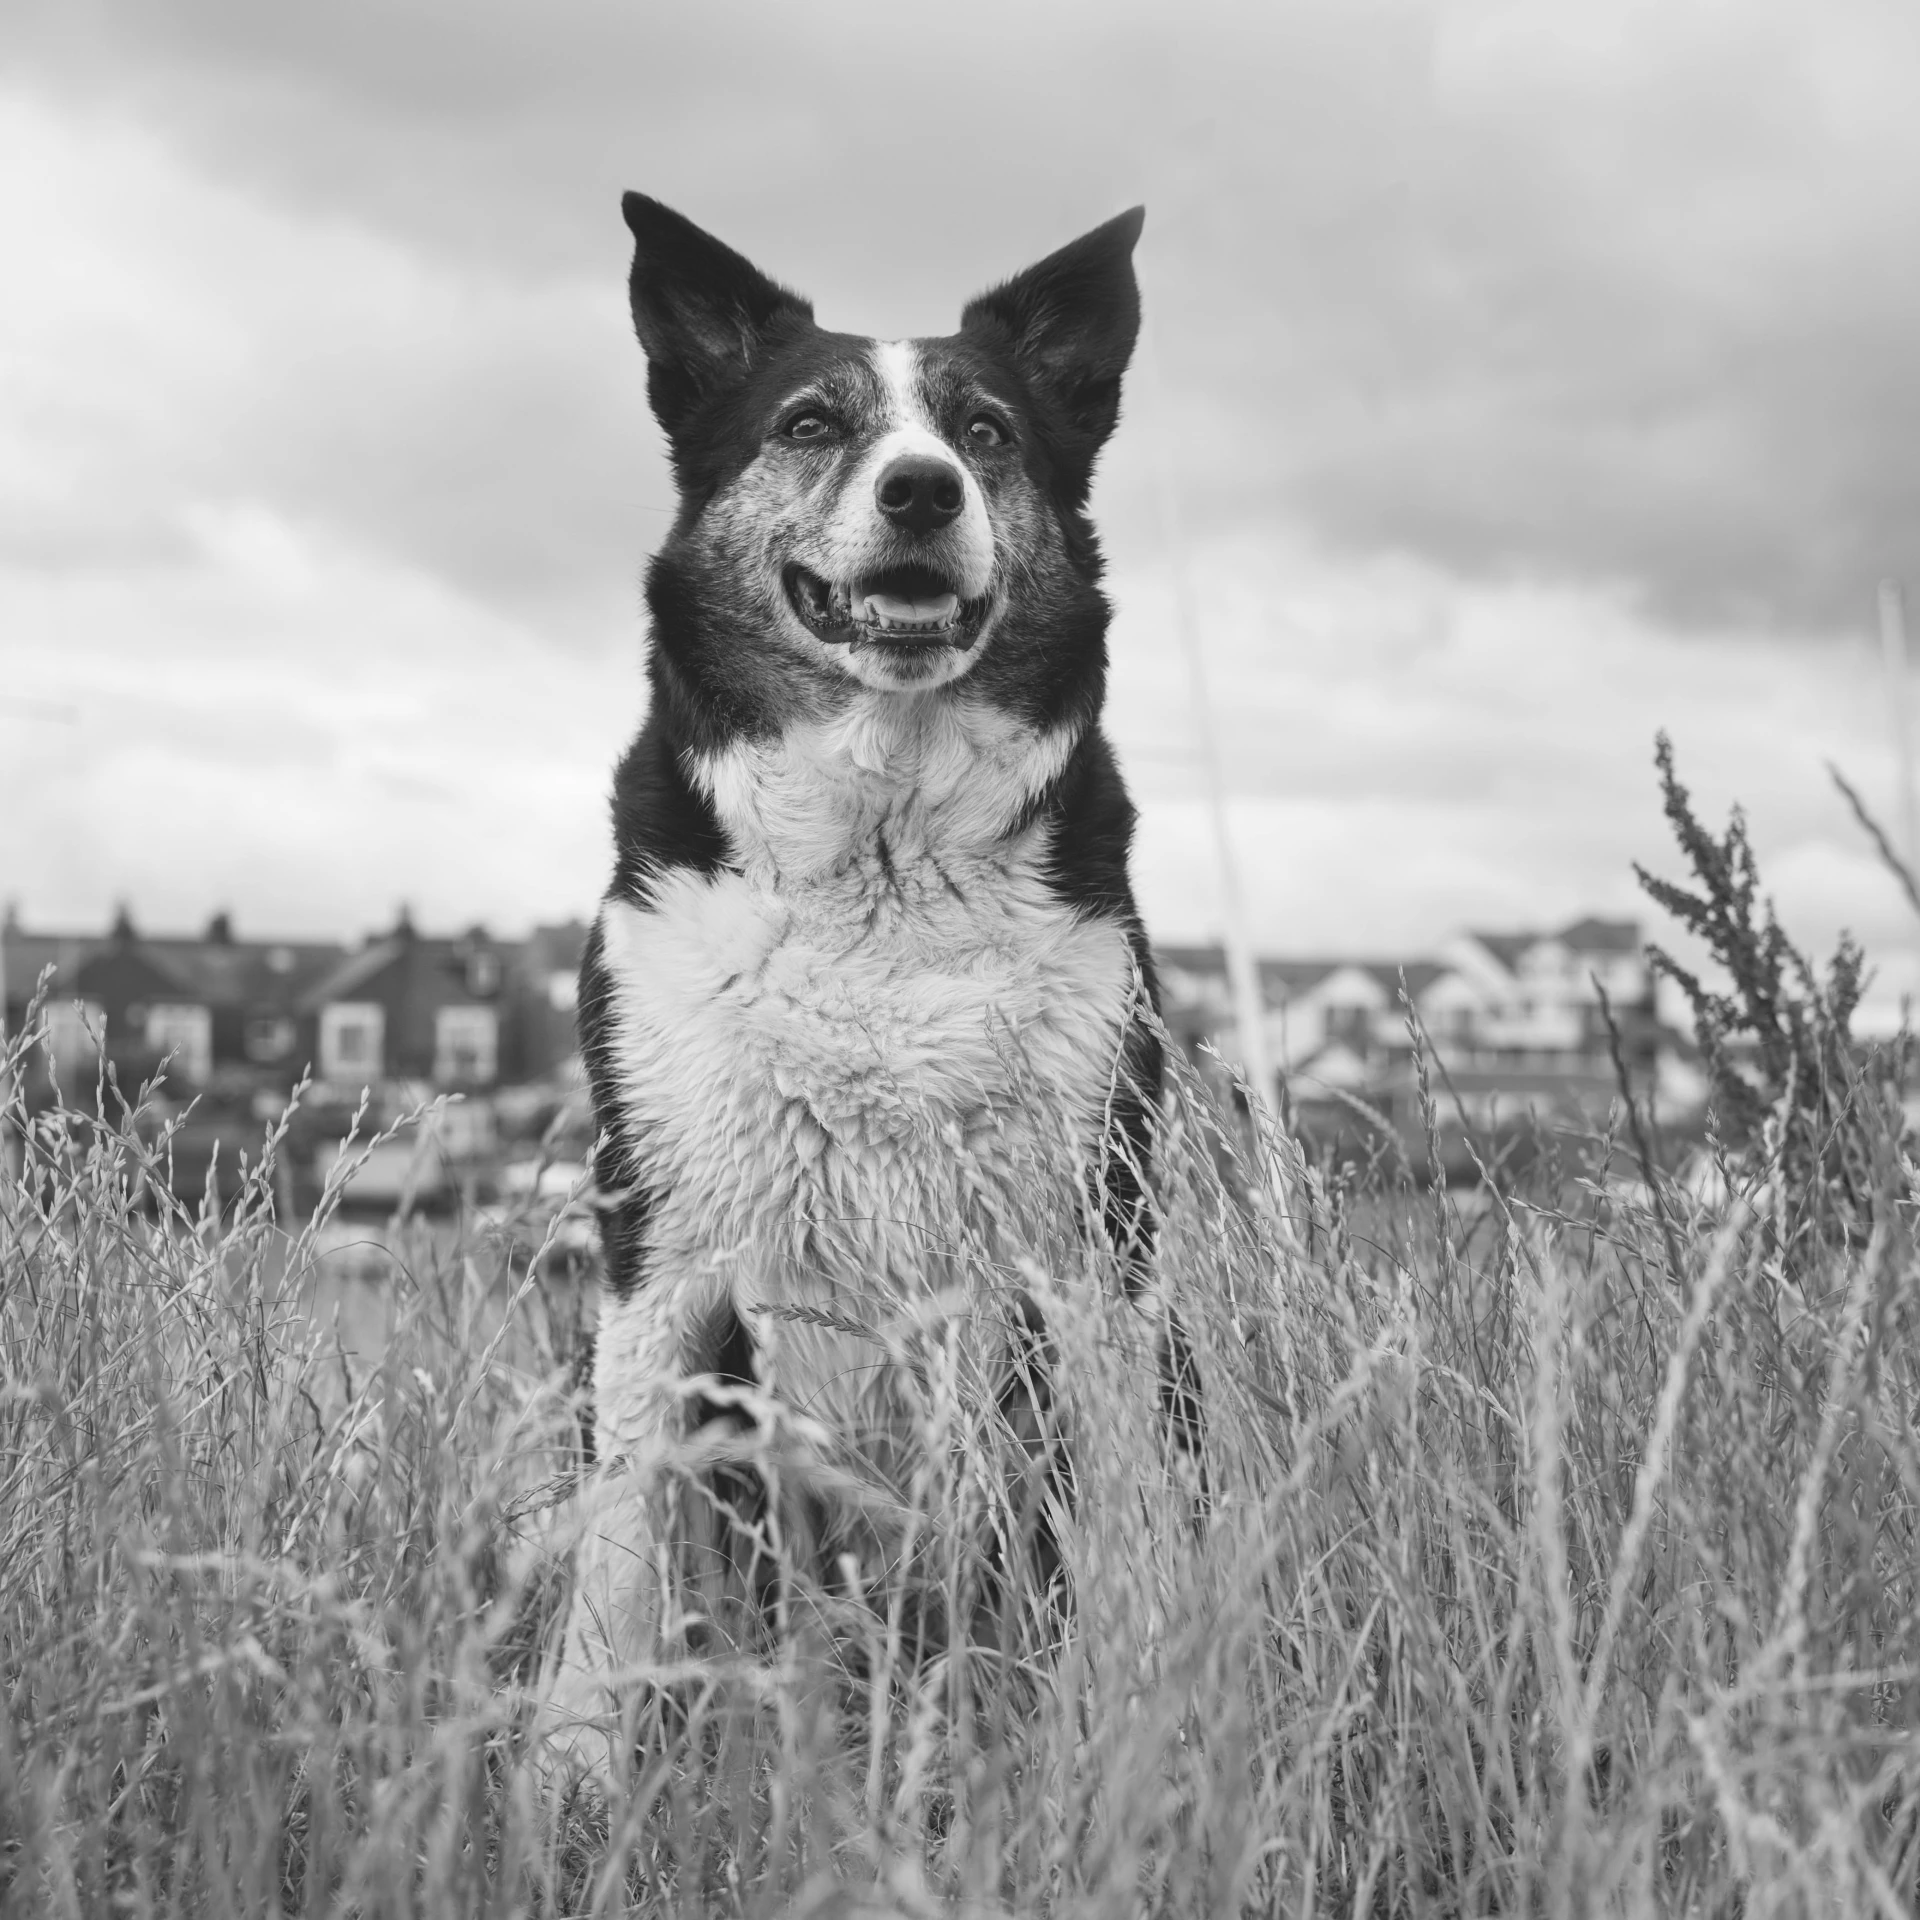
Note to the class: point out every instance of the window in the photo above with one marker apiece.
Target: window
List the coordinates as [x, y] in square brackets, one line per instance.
[186, 1033]
[75, 1029]
[352, 1041]
[1629, 982]
[465, 1046]
[269, 1037]
[563, 991]
[1352, 1024]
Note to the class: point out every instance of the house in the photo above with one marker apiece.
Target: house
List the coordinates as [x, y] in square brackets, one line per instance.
[251, 989]
[408, 1007]
[461, 1011]
[1356, 1004]
[1525, 1022]
[1196, 999]
[207, 1004]
[125, 989]
[112, 994]
[1563, 1001]
[543, 986]
[1310, 1004]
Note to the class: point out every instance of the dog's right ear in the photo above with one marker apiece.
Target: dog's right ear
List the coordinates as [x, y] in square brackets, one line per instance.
[1070, 322]
[701, 310]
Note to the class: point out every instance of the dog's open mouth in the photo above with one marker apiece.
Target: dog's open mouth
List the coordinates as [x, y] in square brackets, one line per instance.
[897, 607]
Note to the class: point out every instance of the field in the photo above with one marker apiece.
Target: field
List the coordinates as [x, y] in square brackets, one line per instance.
[1552, 1551]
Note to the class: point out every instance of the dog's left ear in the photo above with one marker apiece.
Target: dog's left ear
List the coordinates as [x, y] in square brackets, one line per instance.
[1071, 322]
[701, 310]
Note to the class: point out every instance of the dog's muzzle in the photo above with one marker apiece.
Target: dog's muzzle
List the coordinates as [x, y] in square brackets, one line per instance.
[909, 606]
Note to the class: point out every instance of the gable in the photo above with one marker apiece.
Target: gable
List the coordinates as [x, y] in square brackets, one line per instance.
[362, 976]
[1594, 935]
[1454, 990]
[119, 976]
[1349, 987]
[1335, 1066]
[1546, 959]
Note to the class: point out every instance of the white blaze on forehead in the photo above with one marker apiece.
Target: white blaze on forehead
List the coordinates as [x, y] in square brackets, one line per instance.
[898, 364]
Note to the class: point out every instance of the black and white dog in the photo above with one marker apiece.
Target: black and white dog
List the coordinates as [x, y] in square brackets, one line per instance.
[869, 978]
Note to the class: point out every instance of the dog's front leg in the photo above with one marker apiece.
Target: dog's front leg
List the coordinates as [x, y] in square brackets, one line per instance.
[623, 1613]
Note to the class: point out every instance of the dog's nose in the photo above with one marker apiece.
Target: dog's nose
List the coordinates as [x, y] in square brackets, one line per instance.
[919, 494]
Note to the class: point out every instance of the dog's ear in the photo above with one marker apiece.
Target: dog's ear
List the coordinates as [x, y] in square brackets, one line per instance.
[701, 310]
[1070, 322]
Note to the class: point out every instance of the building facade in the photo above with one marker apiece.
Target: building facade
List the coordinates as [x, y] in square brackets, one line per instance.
[1524, 1024]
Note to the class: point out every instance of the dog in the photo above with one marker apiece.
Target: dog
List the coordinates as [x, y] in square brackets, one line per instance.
[870, 971]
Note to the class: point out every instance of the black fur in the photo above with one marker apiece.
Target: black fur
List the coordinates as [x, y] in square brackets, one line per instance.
[1070, 323]
[1092, 820]
[624, 1203]
[660, 821]
[702, 312]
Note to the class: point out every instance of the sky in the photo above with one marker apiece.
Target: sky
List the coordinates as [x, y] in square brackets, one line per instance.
[1518, 380]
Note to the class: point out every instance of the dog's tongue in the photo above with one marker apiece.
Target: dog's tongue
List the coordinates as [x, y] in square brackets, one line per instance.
[900, 610]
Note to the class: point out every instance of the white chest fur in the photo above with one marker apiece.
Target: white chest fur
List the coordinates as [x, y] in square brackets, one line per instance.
[885, 1033]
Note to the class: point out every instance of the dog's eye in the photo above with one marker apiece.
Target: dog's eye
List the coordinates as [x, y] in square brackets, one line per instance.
[808, 426]
[984, 430]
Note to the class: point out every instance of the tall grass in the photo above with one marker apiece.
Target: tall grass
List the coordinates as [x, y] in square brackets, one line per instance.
[1556, 1554]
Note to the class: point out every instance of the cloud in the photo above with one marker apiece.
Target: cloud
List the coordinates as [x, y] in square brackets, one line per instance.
[390, 741]
[183, 343]
[1409, 751]
[1620, 296]
[1623, 303]
[1526, 378]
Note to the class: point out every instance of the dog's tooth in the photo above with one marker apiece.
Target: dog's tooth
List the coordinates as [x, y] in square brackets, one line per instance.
[896, 610]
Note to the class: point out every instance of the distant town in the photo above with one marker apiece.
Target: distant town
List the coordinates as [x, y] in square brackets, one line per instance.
[1539, 1021]
[1515, 1021]
[460, 1012]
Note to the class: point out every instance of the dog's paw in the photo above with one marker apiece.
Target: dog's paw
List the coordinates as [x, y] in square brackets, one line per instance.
[572, 1762]
[581, 1806]
[661, 1717]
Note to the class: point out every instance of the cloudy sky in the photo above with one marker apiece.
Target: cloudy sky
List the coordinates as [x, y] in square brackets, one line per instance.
[1520, 379]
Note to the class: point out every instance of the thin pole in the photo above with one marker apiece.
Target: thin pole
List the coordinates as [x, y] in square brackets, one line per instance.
[1893, 655]
[1243, 973]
